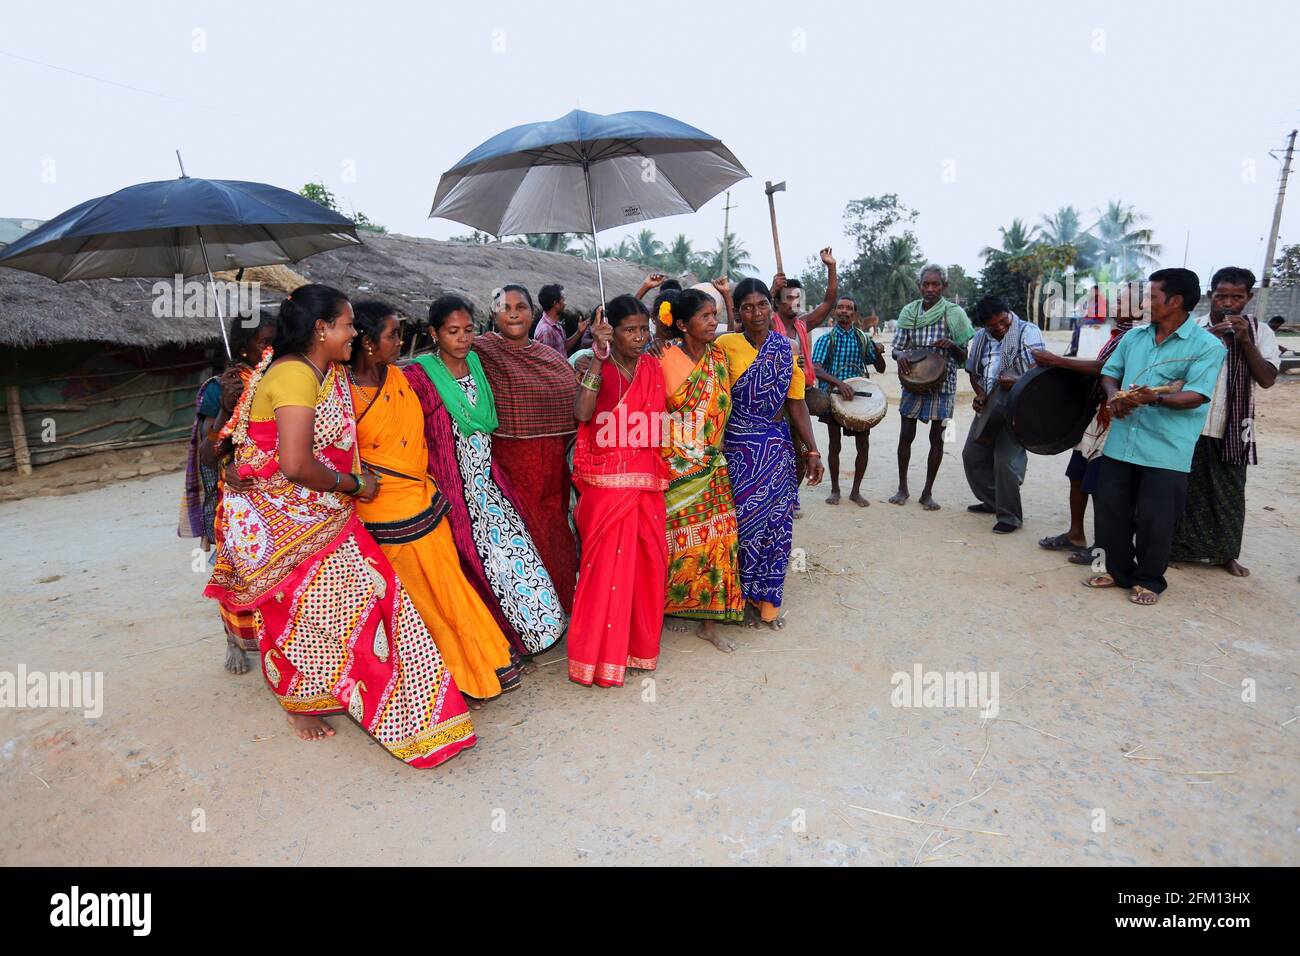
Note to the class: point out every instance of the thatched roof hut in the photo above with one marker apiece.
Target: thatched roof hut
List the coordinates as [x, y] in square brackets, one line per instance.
[408, 271]
[93, 358]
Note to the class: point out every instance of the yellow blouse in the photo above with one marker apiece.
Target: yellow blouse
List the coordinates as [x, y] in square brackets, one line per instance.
[289, 383]
[740, 356]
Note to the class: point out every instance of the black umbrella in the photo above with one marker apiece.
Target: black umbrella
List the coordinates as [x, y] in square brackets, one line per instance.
[180, 227]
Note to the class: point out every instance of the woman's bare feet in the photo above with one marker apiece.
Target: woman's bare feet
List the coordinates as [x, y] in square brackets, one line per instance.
[1235, 569]
[309, 727]
[236, 660]
[833, 498]
[473, 703]
[858, 500]
[675, 624]
[751, 616]
[899, 497]
[709, 632]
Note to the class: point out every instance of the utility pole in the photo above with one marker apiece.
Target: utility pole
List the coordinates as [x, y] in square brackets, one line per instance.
[726, 236]
[1261, 300]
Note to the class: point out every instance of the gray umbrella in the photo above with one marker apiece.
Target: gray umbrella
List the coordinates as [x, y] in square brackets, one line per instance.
[585, 172]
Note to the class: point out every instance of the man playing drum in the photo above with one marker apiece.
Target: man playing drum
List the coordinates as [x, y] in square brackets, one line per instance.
[1000, 353]
[844, 353]
[935, 323]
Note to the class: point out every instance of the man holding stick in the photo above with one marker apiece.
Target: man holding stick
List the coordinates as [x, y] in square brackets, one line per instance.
[1171, 366]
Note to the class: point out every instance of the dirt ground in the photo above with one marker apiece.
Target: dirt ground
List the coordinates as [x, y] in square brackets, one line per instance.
[1122, 736]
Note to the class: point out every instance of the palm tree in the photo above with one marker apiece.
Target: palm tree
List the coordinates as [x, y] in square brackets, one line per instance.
[902, 261]
[1122, 238]
[646, 249]
[738, 262]
[1016, 240]
[681, 257]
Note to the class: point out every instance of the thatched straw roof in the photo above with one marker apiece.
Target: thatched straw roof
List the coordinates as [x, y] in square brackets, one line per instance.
[407, 271]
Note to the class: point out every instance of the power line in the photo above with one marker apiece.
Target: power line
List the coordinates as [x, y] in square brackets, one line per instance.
[100, 79]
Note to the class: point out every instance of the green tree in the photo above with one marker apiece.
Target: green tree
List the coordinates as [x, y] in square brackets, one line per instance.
[1286, 267]
[962, 288]
[1016, 240]
[476, 237]
[1065, 228]
[681, 257]
[553, 242]
[320, 193]
[1123, 239]
[739, 263]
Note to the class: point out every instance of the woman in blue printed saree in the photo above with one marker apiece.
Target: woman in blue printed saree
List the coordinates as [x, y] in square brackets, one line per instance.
[766, 383]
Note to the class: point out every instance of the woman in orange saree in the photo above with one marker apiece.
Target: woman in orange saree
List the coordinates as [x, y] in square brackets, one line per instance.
[620, 474]
[408, 517]
[703, 567]
[336, 630]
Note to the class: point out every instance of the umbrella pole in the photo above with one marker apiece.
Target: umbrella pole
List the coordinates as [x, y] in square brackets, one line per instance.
[212, 285]
[595, 246]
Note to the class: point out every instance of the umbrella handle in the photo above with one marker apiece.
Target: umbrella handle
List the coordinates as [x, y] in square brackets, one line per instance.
[595, 245]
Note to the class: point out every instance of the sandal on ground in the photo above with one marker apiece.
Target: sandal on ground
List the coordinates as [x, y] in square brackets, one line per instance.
[1100, 581]
[1143, 596]
[1082, 556]
[1060, 542]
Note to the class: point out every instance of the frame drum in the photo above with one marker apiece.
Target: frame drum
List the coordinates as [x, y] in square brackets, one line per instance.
[866, 409]
[1050, 408]
[928, 373]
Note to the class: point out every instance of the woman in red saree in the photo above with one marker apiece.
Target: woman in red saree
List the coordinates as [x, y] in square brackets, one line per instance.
[618, 468]
[534, 388]
[336, 629]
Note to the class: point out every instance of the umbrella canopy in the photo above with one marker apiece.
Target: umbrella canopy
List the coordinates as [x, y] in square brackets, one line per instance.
[164, 228]
[534, 178]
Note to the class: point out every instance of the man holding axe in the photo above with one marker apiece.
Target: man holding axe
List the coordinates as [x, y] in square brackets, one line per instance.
[787, 301]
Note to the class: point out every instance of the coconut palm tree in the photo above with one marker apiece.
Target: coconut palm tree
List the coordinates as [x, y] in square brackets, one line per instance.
[902, 261]
[551, 242]
[1121, 237]
[681, 257]
[646, 249]
[1016, 240]
[738, 262]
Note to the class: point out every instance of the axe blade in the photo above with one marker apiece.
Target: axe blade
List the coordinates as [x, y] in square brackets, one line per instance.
[778, 188]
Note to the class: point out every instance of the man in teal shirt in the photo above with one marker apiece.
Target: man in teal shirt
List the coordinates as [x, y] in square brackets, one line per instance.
[1156, 383]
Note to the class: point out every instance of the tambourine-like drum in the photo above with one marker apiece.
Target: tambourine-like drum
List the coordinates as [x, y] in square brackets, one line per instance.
[866, 409]
[1050, 408]
[818, 402]
[928, 373]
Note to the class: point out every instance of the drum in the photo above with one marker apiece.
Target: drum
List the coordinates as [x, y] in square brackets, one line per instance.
[818, 402]
[928, 373]
[866, 409]
[1050, 408]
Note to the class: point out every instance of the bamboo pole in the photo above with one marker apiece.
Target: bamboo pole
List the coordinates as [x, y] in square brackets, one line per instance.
[18, 430]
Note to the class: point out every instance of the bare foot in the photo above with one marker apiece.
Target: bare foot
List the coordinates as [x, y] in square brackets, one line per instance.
[709, 632]
[833, 498]
[776, 623]
[751, 616]
[899, 497]
[675, 624]
[527, 667]
[1235, 569]
[309, 727]
[928, 503]
[473, 703]
[236, 660]
[798, 513]
[858, 500]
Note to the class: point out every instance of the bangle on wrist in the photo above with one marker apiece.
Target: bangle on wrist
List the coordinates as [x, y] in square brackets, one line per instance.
[809, 452]
[337, 476]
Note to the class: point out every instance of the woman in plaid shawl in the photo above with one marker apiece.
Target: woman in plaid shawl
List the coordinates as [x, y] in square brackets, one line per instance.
[535, 388]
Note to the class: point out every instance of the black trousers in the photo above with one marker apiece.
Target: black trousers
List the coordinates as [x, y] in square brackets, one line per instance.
[1135, 512]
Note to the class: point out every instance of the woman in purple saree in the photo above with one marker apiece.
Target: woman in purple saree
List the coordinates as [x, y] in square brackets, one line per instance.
[766, 383]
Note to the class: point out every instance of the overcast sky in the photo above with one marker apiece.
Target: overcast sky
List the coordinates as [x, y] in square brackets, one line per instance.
[972, 113]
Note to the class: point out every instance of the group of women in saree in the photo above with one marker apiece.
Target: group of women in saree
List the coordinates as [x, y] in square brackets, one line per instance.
[396, 540]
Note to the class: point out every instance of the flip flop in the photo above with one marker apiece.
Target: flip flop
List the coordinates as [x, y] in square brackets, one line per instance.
[1099, 582]
[1060, 542]
[1081, 557]
[1138, 593]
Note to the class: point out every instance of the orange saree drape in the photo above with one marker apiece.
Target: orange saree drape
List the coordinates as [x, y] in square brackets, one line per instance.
[407, 519]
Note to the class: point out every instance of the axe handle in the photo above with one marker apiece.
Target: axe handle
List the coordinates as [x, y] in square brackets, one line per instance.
[776, 242]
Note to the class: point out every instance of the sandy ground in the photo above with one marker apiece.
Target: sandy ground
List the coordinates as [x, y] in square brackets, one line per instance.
[764, 756]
